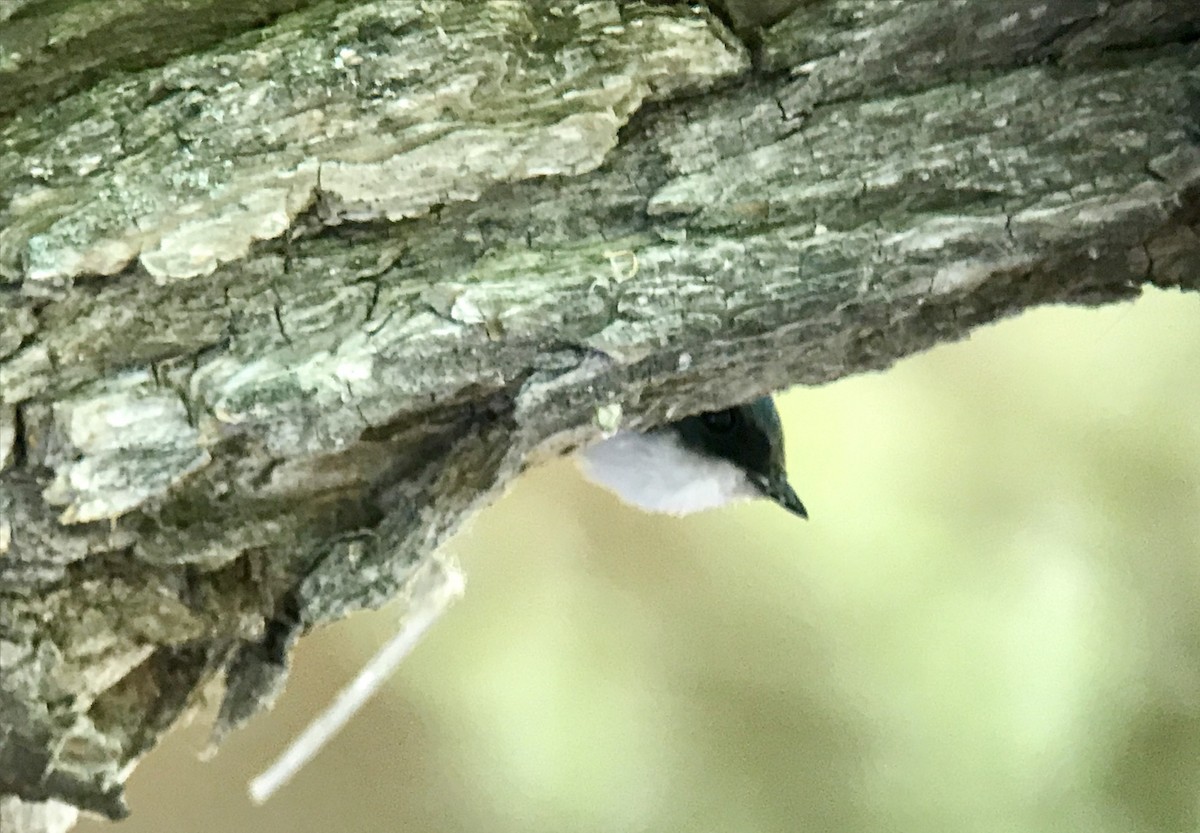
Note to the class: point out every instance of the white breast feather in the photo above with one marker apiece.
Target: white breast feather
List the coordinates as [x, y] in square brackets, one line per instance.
[656, 473]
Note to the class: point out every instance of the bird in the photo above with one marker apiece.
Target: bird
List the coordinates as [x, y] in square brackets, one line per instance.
[700, 462]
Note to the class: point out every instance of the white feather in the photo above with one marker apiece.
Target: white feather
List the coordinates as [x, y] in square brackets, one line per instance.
[655, 472]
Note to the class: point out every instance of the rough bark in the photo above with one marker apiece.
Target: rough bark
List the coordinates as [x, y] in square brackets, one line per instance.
[288, 289]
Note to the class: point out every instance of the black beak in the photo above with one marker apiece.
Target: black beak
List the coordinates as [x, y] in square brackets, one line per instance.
[782, 493]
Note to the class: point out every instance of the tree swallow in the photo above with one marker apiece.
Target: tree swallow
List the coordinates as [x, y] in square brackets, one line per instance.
[697, 463]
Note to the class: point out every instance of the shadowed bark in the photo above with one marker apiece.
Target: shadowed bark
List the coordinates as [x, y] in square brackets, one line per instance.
[288, 289]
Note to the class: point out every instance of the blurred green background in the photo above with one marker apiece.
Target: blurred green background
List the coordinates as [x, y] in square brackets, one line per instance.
[991, 623]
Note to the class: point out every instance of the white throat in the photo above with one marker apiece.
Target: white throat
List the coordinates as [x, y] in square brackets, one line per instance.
[656, 473]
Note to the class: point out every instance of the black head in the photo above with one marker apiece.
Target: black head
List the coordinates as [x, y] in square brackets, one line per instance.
[751, 437]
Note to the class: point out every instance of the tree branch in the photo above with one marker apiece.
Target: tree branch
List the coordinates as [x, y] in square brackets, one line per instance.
[288, 300]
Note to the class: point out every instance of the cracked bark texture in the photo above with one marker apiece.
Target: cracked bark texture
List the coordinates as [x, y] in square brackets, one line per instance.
[289, 289]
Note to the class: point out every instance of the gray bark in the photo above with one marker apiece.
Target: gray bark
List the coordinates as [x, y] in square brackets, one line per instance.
[287, 293]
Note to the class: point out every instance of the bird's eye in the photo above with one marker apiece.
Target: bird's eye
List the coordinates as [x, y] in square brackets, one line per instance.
[720, 422]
